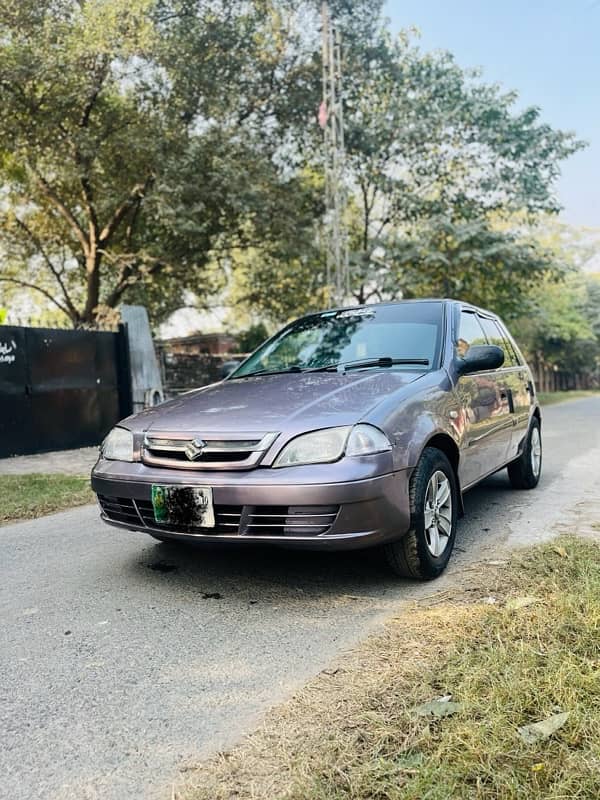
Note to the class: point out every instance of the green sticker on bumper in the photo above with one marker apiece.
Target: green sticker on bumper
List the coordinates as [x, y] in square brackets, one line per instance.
[159, 503]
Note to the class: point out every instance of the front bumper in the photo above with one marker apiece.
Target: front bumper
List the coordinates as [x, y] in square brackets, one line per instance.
[362, 510]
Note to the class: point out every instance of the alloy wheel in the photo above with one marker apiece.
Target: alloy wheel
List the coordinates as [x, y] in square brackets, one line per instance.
[438, 513]
[536, 451]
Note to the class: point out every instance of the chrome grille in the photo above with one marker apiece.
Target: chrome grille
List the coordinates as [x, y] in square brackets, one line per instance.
[288, 520]
[227, 519]
[217, 451]
[232, 520]
[121, 509]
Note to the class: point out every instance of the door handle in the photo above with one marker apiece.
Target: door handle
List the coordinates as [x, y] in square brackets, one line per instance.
[506, 394]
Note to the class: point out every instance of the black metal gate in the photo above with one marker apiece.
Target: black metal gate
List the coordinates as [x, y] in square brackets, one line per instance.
[60, 389]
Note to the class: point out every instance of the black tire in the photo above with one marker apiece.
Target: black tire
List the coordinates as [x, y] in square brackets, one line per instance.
[411, 556]
[522, 472]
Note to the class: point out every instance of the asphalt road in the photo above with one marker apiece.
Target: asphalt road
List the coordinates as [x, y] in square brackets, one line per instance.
[122, 660]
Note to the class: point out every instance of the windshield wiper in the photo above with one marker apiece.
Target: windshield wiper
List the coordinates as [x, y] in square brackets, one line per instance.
[382, 361]
[342, 366]
[268, 372]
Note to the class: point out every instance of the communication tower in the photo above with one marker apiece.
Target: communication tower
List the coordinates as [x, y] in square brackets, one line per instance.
[331, 119]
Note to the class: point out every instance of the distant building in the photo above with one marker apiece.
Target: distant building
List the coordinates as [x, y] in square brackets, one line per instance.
[215, 344]
[188, 362]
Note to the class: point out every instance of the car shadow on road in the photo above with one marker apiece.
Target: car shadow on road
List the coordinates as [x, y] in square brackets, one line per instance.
[255, 573]
[250, 574]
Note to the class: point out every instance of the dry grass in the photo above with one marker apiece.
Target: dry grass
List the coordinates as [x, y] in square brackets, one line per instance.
[354, 734]
[31, 496]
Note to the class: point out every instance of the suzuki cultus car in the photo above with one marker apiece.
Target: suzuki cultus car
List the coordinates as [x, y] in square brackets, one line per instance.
[350, 428]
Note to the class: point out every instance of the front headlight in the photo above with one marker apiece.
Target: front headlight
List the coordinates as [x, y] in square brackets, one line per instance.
[318, 447]
[118, 445]
[366, 440]
[330, 444]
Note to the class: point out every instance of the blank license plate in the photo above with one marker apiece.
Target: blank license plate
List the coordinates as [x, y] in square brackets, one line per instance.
[183, 505]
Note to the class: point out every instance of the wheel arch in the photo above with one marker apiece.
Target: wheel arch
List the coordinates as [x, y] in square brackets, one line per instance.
[445, 443]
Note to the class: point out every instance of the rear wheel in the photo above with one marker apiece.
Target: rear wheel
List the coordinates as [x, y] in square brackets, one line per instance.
[524, 473]
[425, 550]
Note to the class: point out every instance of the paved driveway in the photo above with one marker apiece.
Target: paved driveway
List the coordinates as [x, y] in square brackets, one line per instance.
[66, 462]
[122, 659]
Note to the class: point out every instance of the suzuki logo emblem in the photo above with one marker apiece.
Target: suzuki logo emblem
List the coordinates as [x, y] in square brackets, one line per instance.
[195, 448]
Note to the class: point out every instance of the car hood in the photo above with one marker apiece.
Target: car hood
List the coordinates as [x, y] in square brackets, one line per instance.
[289, 401]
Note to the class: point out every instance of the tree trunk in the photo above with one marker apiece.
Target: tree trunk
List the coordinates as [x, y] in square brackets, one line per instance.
[92, 269]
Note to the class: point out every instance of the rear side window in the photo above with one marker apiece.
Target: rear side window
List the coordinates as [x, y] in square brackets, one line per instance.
[497, 337]
[469, 333]
[510, 347]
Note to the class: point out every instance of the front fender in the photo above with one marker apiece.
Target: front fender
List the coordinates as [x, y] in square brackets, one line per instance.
[434, 410]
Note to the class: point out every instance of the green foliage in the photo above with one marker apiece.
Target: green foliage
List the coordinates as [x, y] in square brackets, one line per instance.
[470, 260]
[137, 138]
[279, 290]
[444, 173]
[562, 326]
[156, 150]
[3, 314]
[251, 338]
[558, 322]
[435, 152]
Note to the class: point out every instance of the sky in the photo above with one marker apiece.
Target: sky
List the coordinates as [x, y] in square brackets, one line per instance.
[546, 50]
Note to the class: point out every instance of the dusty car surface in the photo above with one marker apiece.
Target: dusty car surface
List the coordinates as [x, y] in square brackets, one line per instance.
[350, 428]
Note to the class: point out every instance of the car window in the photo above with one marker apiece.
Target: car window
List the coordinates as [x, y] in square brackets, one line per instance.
[495, 336]
[469, 333]
[514, 356]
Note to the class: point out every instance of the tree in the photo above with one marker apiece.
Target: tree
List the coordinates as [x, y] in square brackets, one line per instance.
[470, 260]
[153, 148]
[286, 275]
[444, 176]
[435, 152]
[252, 337]
[559, 320]
[135, 145]
[558, 330]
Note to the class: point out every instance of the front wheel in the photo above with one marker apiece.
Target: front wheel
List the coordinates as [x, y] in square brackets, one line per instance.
[425, 550]
[524, 473]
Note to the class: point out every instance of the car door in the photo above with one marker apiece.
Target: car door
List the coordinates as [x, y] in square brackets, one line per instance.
[521, 385]
[485, 405]
[511, 385]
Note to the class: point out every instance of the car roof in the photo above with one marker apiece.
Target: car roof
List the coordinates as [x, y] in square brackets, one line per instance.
[448, 301]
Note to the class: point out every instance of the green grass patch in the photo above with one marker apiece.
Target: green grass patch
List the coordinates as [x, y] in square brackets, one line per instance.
[517, 644]
[31, 496]
[551, 398]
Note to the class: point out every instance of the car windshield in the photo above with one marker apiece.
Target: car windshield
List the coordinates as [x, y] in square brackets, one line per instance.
[408, 333]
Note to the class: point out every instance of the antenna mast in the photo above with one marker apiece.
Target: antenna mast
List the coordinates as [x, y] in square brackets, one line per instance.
[331, 119]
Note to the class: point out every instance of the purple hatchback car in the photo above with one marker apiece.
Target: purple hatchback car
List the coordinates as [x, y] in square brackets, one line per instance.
[350, 428]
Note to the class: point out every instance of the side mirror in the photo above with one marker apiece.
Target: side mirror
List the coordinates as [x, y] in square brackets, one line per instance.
[480, 357]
